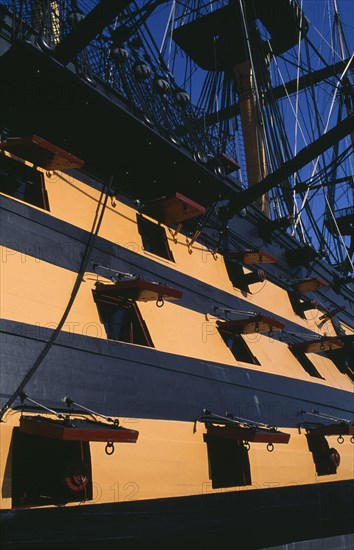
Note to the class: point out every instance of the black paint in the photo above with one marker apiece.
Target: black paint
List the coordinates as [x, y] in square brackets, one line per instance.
[33, 233]
[246, 519]
[125, 380]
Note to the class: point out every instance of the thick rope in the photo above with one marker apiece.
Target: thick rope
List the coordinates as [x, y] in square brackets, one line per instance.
[85, 259]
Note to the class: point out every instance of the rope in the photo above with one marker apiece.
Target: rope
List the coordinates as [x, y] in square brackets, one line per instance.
[324, 132]
[92, 237]
[297, 112]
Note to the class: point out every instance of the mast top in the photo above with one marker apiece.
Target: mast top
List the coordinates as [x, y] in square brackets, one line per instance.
[215, 41]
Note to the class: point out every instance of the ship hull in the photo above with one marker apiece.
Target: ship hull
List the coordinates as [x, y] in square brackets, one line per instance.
[240, 519]
[148, 383]
[222, 419]
[161, 394]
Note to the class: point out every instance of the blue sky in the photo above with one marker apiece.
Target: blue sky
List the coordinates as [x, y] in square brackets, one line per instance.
[316, 11]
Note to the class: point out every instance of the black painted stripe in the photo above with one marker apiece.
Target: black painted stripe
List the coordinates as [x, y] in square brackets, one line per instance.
[61, 244]
[134, 381]
[241, 519]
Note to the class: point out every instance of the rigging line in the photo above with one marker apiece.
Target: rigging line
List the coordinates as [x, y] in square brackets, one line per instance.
[204, 94]
[254, 77]
[216, 98]
[172, 24]
[345, 179]
[314, 119]
[24, 397]
[287, 94]
[295, 115]
[169, 25]
[338, 232]
[331, 22]
[97, 221]
[189, 11]
[336, 54]
[338, 25]
[275, 130]
[344, 45]
[153, 48]
[331, 108]
[288, 61]
[335, 163]
[314, 116]
[316, 182]
[315, 223]
[297, 102]
[295, 212]
[341, 39]
[324, 132]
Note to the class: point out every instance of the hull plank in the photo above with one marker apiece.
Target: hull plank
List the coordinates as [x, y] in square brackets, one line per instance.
[157, 384]
[45, 238]
[158, 291]
[278, 515]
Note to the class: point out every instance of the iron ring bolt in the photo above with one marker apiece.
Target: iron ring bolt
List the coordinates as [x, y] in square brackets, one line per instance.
[340, 439]
[109, 449]
[270, 447]
[159, 302]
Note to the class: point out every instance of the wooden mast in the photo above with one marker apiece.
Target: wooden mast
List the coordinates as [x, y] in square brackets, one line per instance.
[252, 136]
[256, 164]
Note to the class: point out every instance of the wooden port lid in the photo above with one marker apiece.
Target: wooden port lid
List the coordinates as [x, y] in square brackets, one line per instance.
[251, 325]
[255, 435]
[252, 257]
[339, 428]
[41, 153]
[230, 164]
[326, 343]
[136, 290]
[76, 430]
[308, 285]
[173, 209]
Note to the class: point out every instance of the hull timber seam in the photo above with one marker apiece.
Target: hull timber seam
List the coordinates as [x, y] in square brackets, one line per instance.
[280, 514]
[61, 244]
[278, 400]
[176, 258]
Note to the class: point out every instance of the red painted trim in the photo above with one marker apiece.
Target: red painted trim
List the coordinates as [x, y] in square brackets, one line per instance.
[77, 430]
[248, 434]
[137, 290]
[326, 343]
[308, 285]
[173, 209]
[333, 429]
[252, 257]
[251, 325]
[41, 153]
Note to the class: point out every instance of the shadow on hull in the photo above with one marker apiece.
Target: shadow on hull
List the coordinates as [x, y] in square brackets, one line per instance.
[238, 520]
